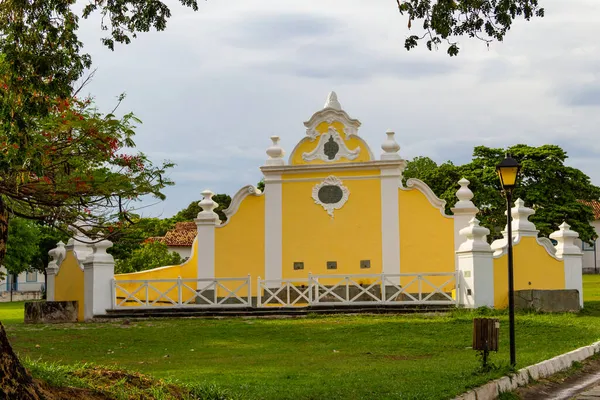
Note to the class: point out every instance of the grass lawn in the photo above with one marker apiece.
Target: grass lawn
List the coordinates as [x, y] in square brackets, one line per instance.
[333, 357]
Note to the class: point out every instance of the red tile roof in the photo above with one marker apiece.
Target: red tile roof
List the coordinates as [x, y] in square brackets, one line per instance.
[182, 235]
[594, 205]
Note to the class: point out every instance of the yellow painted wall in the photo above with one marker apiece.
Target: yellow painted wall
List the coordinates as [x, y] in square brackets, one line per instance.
[240, 244]
[187, 270]
[311, 236]
[533, 267]
[68, 283]
[306, 146]
[426, 237]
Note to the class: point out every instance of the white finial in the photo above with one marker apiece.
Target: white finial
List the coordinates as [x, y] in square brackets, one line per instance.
[275, 153]
[390, 147]
[464, 205]
[521, 226]
[565, 239]
[99, 254]
[208, 215]
[332, 101]
[476, 238]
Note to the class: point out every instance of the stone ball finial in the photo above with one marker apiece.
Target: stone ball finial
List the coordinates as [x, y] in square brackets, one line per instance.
[390, 147]
[275, 152]
[332, 101]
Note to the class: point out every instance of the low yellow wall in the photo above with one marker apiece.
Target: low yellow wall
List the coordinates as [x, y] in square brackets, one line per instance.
[240, 245]
[533, 267]
[68, 283]
[426, 238]
[187, 270]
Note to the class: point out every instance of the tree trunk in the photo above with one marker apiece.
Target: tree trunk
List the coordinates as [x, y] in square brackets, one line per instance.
[4, 217]
[15, 381]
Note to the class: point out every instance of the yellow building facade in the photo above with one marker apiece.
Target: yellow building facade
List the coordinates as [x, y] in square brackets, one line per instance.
[336, 224]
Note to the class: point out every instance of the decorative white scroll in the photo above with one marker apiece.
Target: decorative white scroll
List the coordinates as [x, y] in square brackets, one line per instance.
[331, 194]
[331, 148]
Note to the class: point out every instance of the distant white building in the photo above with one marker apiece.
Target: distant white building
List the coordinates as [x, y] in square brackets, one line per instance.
[25, 286]
[591, 253]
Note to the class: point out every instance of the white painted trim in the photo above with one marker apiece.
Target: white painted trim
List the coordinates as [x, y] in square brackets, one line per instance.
[390, 221]
[326, 166]
[237, 200]
[318, 152]
[308, 168]
[330, 207]
[573, 266]
[320, 178]
[547, 244]
[421, 186]
[273, 226]
[331, 115]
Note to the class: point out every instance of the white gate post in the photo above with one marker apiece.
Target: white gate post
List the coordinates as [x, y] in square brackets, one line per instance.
[206, 222]
[58, 255]
[475, 267]
[98, 275]
[572, 258]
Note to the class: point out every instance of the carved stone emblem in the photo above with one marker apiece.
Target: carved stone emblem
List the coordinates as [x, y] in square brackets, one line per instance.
[331, 148]
[331, 194]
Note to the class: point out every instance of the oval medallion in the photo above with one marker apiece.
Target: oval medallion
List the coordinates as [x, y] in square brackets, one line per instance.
[330, 194]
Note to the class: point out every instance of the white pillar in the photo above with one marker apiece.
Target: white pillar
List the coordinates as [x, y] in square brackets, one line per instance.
[57, 256]
[464, 211]
[206, 222]
[98, 275]
[475, 267]
[390, 220]
[273, 213]
[572, 258]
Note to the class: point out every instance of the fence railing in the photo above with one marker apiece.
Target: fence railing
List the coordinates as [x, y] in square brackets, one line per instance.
[424, 288]
[150, 293]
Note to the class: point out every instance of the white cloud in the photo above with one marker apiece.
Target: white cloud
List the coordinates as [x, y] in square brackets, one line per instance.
[216, 84]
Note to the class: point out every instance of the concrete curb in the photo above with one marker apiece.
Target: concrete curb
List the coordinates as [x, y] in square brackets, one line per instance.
[491, 390]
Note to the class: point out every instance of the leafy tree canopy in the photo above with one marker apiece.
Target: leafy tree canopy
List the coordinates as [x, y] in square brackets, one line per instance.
[546, 184]
[445, 20]
[147, 256]
[23, 245]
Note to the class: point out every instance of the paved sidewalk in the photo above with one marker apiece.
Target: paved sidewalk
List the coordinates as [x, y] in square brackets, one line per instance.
[590, 394]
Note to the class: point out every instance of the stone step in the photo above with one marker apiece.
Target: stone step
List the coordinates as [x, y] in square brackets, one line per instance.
[161, 312]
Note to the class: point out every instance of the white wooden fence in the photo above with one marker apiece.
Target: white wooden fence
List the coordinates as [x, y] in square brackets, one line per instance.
[360, 289]
[149, 293]
[364, 289]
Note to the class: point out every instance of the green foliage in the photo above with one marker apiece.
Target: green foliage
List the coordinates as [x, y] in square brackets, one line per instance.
[148, 256]
[22, 246]
[61, 159]
[191, 212]
[444, 20]
[49, 237]
[126, 242]
[546, 184]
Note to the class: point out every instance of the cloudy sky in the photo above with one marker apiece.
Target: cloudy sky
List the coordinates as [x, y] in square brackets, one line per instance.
[215, 85]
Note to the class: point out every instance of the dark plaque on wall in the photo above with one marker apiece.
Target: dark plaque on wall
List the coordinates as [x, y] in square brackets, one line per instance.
[330, 194]
[331, 148]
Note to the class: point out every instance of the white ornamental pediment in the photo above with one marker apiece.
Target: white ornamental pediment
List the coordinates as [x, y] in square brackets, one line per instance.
[331, 148]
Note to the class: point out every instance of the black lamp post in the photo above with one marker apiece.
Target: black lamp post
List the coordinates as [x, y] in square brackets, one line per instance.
[508, 171]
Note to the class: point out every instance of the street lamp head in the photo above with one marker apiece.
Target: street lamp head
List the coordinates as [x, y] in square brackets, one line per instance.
[508, 171]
